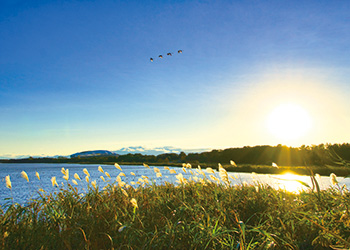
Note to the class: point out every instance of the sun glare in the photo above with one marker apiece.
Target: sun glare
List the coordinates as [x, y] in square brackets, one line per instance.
[290, 182]
[288, 122]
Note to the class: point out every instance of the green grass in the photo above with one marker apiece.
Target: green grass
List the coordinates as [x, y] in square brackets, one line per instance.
[301, 170]
[192, 215]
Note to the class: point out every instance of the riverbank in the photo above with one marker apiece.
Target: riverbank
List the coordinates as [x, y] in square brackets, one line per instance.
[301, 170]
[268, 169]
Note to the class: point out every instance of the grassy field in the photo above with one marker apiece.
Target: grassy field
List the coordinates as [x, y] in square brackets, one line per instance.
[203, 212]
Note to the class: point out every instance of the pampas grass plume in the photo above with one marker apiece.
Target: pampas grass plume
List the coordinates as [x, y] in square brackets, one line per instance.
[24, 175]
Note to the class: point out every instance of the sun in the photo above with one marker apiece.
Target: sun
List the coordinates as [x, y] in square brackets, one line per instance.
[288, 122]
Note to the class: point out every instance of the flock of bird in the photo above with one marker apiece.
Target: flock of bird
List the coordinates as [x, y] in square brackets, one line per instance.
[168, 54]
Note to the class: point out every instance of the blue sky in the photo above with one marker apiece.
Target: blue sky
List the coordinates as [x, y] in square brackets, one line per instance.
[76, 75]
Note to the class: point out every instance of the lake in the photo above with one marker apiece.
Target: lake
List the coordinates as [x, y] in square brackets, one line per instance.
[22, 190]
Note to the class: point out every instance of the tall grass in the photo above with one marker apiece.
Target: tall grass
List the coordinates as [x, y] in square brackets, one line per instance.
[201, 212]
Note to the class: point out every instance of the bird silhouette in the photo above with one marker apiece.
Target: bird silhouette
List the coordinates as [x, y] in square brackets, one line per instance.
[168, 54]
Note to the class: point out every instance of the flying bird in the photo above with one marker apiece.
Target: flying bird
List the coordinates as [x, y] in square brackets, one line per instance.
[168, 54]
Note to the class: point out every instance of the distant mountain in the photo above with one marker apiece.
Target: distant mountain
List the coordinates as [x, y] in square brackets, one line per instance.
[122, 151]
[157, 150]
[137, 150]
[11, 156]
[92, 153]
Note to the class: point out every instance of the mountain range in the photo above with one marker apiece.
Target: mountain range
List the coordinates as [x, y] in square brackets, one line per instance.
[122, 151]
[157, 150]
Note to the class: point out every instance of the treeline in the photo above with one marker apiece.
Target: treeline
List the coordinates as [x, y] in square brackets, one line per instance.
[315, 155]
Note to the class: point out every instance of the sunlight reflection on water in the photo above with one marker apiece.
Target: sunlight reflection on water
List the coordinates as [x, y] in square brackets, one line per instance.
[292, 182]
[289, 182]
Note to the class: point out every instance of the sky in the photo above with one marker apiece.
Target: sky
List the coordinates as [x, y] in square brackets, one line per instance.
[77, 75]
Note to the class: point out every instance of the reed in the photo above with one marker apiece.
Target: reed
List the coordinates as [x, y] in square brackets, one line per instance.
[201, 212]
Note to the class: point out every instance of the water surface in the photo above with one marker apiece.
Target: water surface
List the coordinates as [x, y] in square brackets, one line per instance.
[22, 190]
